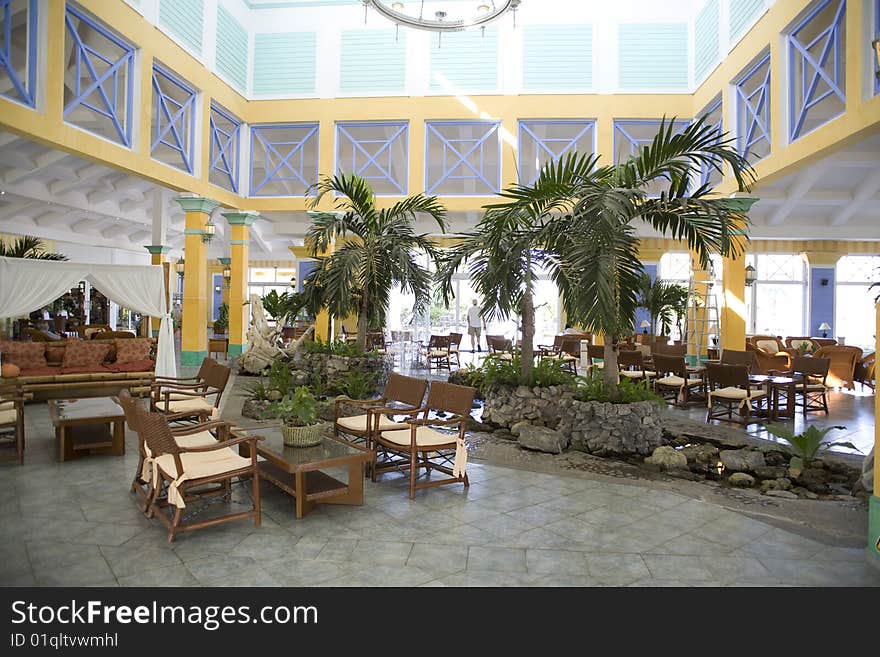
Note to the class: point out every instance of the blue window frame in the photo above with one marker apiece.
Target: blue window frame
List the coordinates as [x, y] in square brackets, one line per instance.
[816, 74]
[284, 159]
[99, 97]
[225, 149]
[753, 110]
[462, 158]
[18, 50]
[541, 142]
[632, 134]
[709, 175]
[874, 36]
[174, 120]
[375, 151]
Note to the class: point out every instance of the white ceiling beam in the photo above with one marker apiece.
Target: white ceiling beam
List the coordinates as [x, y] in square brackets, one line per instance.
[54, 217]
[803, 184]
[16, 208]
[40, 163]
[115, 230]
[855, 159]
[822, 198]
[64, 235]
[861, 195]
[257, 234]
[85, 225]
[36, 191]
[83, 175]
[16, 160]
[7, 138]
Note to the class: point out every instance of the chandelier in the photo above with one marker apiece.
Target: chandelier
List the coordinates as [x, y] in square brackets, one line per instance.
[439, 20]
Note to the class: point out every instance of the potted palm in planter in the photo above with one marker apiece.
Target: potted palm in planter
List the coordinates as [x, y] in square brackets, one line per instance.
[299, 413]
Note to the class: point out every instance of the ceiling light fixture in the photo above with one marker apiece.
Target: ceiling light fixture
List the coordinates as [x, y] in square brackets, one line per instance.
[208, 232]
[486, 12]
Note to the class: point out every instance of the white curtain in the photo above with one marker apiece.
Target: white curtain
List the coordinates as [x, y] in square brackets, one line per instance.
[28, 285]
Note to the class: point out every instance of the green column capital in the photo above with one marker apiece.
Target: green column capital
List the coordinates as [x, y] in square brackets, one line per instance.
[157, 249]
[241, 217]
[224, 261]
[197, 204]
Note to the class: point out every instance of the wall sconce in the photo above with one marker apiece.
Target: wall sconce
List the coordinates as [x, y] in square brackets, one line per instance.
[208, 232]
[293, 282]
[180, 267]
[824, 327]
[227, 272]
[751, 276]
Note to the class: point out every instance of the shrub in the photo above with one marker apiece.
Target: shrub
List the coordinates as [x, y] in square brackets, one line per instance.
[810, 442]
[258, 391]
[592, 388]
[336, 348]
[545, 373]
[280, 377]
[356, 385]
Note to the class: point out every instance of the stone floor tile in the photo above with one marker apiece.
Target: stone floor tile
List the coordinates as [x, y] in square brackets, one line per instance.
[438, 558]
[167, 576]
[127, 561]
[674, 567]
[556, 562]
[616, 569]
[493, 558]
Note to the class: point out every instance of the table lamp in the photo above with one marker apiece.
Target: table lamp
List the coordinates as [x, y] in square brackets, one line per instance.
[824, 328]
[645, 325]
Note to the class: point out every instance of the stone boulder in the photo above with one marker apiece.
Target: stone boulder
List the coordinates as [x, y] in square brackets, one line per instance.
[541, 439]
[516, 426]
[667, 458]
[741, 460]
[606, 429]
[741, 480]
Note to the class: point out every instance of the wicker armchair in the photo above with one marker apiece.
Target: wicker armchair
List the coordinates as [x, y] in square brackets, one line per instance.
[196, 401]
[400, 389]
[843, 358]
[811, 392]
[729, 390]
[864, 371]
[12, 419]
[421, 445]
[763, 361]
[674, 380]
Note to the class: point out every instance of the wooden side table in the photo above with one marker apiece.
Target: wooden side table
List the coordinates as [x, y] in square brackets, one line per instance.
[217, 345]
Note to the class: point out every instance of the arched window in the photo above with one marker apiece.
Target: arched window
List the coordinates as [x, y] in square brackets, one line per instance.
[854, 318]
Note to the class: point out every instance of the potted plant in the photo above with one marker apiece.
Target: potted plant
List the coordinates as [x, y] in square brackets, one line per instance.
[221, 324]
[299, 413]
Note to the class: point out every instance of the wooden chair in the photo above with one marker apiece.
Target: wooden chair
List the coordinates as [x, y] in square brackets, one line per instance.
[454, 346]
[184, 472]
[376, 341]
[769, 343]
[728, 387]
[419, 443]
[674, 378]
[632, 365]
[794, 343]
[566, 351]
[811, 393]
[864, 370]
[195, 402]
[354, 429]
[38, 335]
[437, 352]
[737, 357]
[668, 349]
[843, 359]
[188, 437]
[12, 419]
[595, 352]
[500, 347]
[199, 378]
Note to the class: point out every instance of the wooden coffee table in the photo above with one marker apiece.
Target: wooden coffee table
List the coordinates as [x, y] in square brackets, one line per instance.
[93, 425]
[298, 470]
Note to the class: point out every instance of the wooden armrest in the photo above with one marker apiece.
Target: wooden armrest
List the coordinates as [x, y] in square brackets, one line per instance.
[360, 402]
[177, 386]
[191, 393]
[201, 426]
[390, 410]
[455, 419]
[223, 444]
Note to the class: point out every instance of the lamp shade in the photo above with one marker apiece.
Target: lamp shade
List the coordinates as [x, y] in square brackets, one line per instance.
[227, 272]
[180, 266]
[645, 324]
[824, 326]
[751, 275]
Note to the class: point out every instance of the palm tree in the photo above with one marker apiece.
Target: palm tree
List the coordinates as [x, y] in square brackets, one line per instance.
[503, 256]
[586, 218]
[30, 247]
[376, 250]
[662, 300]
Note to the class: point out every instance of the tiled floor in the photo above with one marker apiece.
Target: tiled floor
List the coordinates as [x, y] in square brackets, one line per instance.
[76, 524]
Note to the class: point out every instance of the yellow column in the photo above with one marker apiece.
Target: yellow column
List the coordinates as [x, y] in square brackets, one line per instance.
[158, 255]
[239, 226]
[733, 304]
[194, 331]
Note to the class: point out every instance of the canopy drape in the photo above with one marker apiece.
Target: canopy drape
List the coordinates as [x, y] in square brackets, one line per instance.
[28, 285]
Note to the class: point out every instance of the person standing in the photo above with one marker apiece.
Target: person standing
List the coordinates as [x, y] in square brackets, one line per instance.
[475, 324]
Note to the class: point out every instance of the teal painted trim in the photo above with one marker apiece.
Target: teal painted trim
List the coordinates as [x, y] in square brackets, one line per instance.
[193, 231]
[239, 242]
[156, 333]
[468, 60]
[372, 61]
[742, 15]
[192, 358]
[225, 261]
[237, 218]
[157, 249]
[544, 68]
[185, 19]
[196, 204]
[653, 56]
[707, 51]
[232, 48]
[284, 63]
[235, 349]
[874, 530]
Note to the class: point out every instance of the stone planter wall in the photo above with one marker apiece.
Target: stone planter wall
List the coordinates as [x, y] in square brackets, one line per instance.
[507, 405]
[599, 428]
[612, 429]
[331, 367]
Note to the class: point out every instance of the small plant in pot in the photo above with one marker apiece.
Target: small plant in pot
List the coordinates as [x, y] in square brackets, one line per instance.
[299, 413]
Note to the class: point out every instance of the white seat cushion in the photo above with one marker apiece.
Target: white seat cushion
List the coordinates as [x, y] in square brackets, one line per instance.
[192, 404]
[425, 437]
[358, 423]
[732, 392]
[8, 417]
[815, 387]
[565, 358]
[438, 353]
[678, 381]
[203, 464]
[7, 406]
[637, 375]
[200, 439]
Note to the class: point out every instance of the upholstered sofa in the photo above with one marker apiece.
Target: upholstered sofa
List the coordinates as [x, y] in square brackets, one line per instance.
[79, 368]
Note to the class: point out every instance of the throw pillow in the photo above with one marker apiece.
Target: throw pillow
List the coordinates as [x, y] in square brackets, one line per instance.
[84, 354]
[132, 350]
[9, 371]
[27, 355]
[54, 355]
